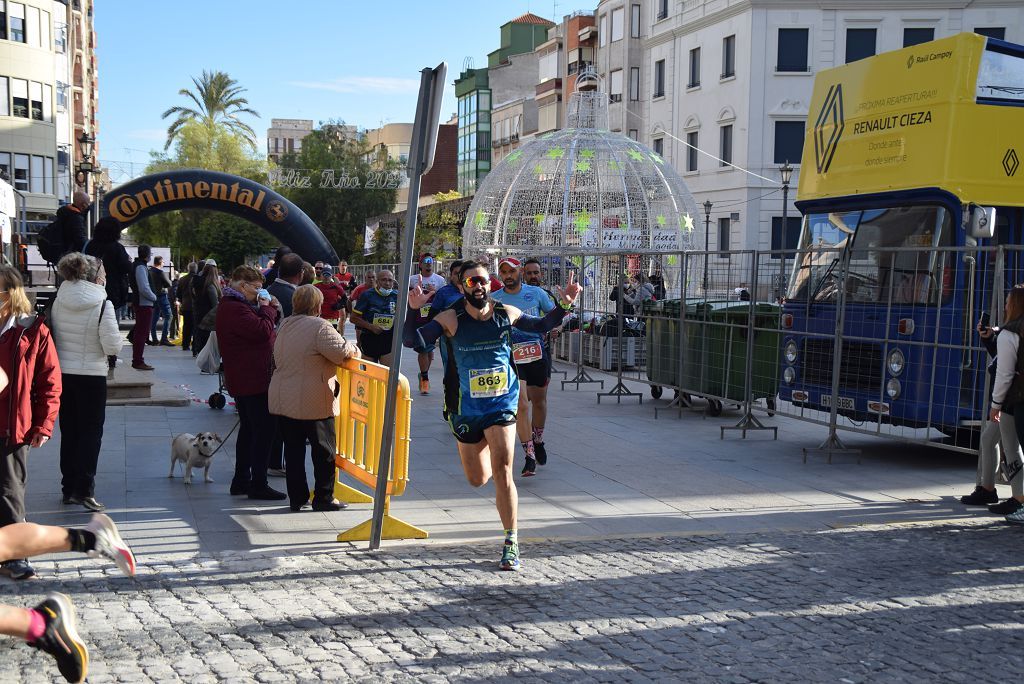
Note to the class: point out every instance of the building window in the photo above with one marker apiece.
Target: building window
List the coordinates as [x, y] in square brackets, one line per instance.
[615, 86]
[36, 100]
[691, 151]
[789, 141]
[19, 98]
[916, 36]
[634, 83]
[62, 96]
[997, 32]
[634, 134]
[60, 36]
[48, 102]
[618, 19]
[725, 150]
[860, 43]
[21, 172]
[602, 31]
[792, 55]
[32, 26]
[662, 9]
[728, 56]
[548, 66]
[16, 16]
[659, 78]
[790, 241]
[723, 234]
[5, 97]
[3, 19]
[5, 160]
[48, 175]
[634, 21]
[658, 145]
[36, 178]
[694, 68]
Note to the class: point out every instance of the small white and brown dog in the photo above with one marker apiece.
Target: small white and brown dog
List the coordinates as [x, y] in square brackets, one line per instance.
[195, 451]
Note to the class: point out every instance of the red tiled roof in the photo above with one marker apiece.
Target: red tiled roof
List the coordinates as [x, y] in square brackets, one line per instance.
[530, 18]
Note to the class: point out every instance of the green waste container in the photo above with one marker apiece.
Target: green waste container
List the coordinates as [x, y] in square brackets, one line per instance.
[662, 343]
[726, 351]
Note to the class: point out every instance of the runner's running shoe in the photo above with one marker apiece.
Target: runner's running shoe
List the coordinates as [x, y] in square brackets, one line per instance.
[18, 569]
[61, 640]
[540, 452]
[424, 386]
[109, 543]
[509, 556]
[530, 469]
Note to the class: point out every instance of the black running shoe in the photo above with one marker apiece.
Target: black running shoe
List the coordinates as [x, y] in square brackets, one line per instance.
[530, 469]
[18, 569]
[980, 497]
[61, 639]
[540, 452]
[1007, 507]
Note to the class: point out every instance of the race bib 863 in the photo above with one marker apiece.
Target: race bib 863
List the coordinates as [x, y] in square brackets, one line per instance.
[489, 382]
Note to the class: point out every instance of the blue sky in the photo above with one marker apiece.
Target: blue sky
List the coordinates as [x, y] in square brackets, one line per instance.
[305, 59]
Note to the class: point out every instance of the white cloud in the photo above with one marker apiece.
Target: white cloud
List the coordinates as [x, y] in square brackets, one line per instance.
[363, 84]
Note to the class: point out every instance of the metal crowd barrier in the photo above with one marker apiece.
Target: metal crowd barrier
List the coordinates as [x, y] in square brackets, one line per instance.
[715, 335]
[362, 393]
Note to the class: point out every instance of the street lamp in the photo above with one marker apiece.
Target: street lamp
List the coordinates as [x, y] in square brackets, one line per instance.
[707, 243]
[786, 172]
[85, 147]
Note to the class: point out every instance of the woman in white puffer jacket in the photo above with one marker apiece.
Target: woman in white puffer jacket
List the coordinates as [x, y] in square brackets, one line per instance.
[87, 333]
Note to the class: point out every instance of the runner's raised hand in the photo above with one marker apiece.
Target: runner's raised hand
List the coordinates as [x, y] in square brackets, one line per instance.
[571, 291]
[418, 298]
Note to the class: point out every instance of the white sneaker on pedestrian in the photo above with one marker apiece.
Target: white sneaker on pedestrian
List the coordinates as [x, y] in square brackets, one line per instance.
[109, 543]
[1017, 517]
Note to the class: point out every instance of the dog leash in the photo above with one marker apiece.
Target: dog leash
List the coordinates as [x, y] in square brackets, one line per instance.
[225, 440]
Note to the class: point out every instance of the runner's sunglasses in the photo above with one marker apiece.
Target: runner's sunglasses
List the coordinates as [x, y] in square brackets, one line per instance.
[475, 280]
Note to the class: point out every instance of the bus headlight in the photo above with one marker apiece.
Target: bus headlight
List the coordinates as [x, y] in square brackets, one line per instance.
[896, 362]
[789, 375]
[893, 388]
[790, 352]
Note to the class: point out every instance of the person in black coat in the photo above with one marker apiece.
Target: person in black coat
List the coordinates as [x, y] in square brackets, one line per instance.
[106, 246]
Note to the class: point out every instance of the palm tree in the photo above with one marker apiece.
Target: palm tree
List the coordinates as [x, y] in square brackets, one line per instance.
[219, 101]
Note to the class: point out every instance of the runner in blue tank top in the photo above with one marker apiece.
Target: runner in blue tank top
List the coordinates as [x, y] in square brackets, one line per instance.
[481, 406]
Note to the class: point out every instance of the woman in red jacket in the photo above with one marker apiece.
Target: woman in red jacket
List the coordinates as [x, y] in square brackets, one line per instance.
[245, 335]
[29, 400]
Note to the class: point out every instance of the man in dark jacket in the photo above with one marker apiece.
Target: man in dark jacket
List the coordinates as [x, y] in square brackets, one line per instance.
[161, 285]
[288, 278]
[72, 218]
[106, 246]
[184, 295]
[273, 273]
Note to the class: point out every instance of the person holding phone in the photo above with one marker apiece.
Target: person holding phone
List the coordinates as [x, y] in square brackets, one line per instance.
[1007, 393]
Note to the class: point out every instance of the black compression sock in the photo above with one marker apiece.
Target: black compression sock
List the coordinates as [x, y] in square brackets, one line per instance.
[82, 541]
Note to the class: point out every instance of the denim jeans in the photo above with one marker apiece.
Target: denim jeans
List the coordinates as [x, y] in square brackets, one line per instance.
[161, 309]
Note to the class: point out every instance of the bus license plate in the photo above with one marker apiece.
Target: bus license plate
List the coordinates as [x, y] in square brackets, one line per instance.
[843, 403]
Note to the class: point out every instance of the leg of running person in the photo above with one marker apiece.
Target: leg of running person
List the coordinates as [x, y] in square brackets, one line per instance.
[51, 628]
[425, 358]
[98, 538]
[476, 462]
[501, 441]
[538, 397]
[524, 433]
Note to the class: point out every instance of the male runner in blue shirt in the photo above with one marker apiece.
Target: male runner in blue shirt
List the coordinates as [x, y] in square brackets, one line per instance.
[530, 355]
[482, 400]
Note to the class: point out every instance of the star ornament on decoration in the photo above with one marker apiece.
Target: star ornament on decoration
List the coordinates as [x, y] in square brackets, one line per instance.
[538, 219]
[636, 156]
[556, 153]
[582, 220]
[586, 154]
[480, 220]
[539, 169]
[583, 166]
[661, 221]
[686, 223]
[514, 156]
[657, 159]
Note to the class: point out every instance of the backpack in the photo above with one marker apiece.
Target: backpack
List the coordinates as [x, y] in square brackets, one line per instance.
[50, 241]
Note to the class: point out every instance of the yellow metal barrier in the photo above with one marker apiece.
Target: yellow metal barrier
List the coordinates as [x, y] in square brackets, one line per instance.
[360, 422]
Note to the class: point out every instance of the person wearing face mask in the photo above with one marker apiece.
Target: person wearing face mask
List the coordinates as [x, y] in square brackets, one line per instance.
[374, 314]
[246, 316]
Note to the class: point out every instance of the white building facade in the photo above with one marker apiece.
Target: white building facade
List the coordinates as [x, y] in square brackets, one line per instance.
[47, 99]
[734, 78]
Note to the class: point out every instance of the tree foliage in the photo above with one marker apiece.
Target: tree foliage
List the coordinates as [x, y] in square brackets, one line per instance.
[199, 233]
[218, 103]
[340, 213]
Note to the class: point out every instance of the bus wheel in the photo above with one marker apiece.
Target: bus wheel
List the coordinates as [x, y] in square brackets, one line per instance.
[714, 407]
[656, 391]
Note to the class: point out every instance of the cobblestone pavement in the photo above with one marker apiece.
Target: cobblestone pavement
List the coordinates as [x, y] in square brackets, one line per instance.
[913, 602]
